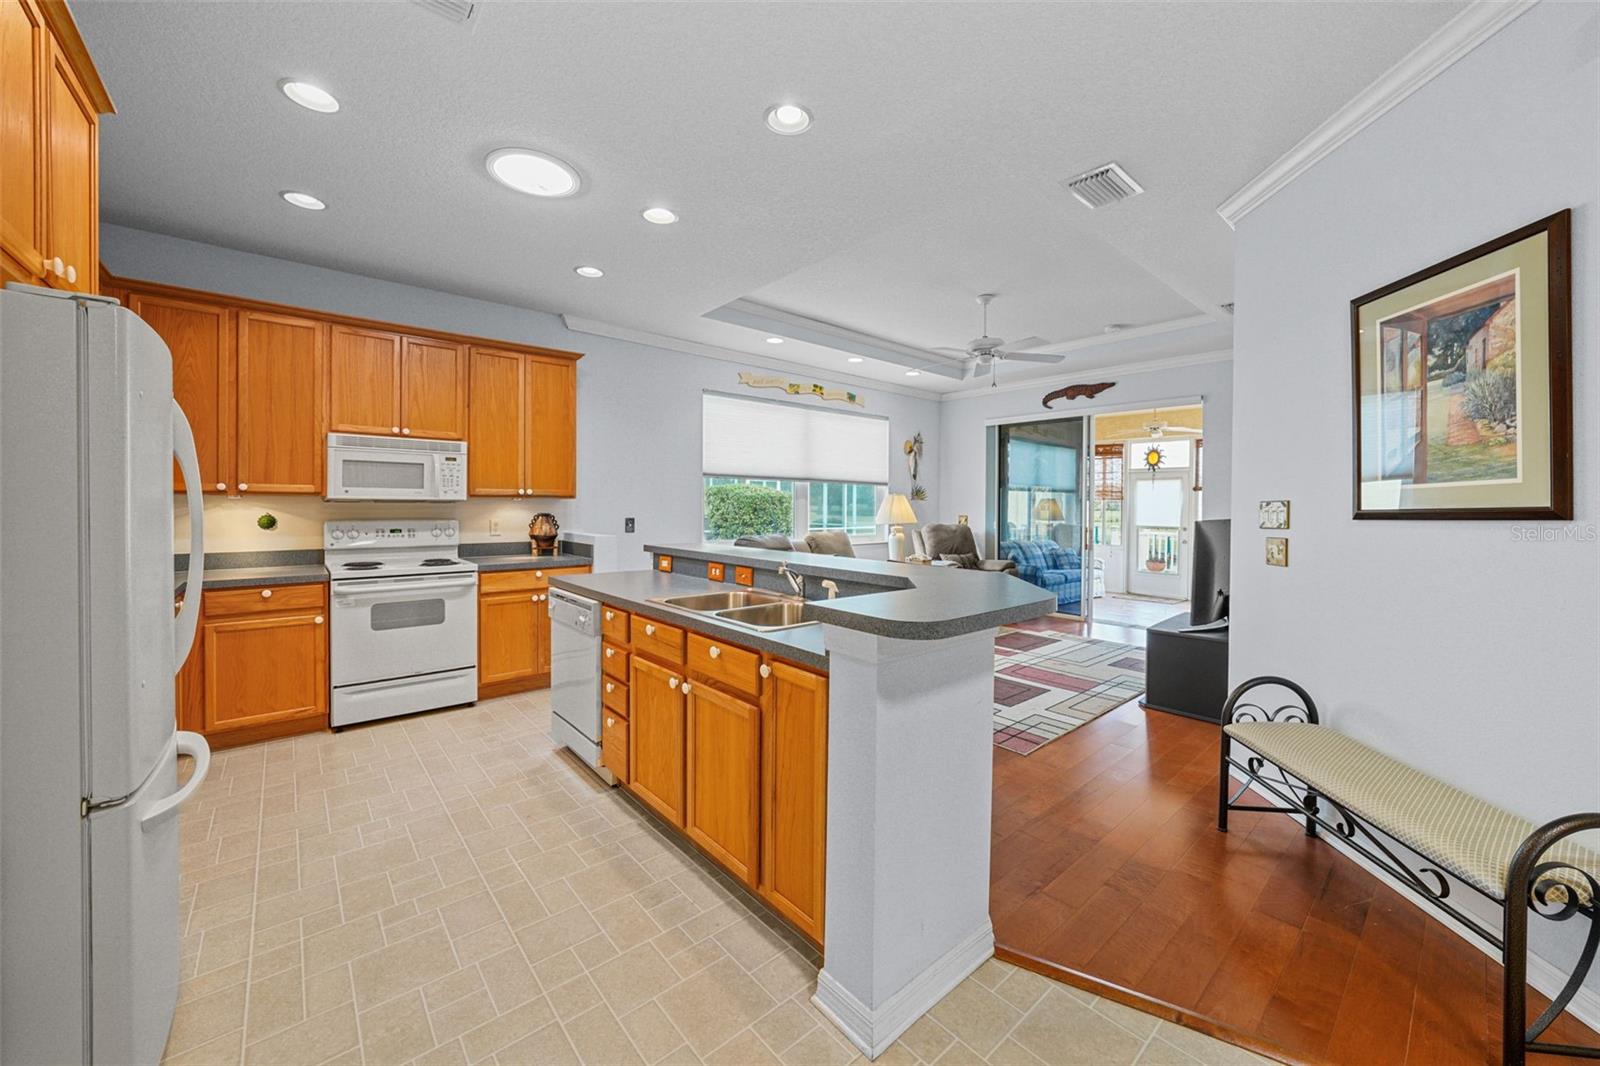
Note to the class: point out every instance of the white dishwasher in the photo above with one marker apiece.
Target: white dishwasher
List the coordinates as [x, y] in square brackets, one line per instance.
[575, 675]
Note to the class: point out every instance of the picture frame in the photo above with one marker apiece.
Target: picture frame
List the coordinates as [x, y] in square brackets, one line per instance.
[1273, 514]
[1462, 384]
[1277, 551]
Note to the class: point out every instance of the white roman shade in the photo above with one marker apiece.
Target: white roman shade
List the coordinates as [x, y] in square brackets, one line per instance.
[792, 442]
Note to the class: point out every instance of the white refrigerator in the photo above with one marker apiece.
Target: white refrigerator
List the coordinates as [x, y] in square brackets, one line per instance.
[89, 645]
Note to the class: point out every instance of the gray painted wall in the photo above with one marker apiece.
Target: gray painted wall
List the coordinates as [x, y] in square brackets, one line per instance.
[1467, 649]
[638, 406]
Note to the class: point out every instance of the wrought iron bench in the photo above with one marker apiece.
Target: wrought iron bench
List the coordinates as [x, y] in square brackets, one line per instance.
[1343, 786]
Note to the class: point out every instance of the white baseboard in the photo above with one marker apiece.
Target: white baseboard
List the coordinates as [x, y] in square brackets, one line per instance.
[1542, 974]
[872, 1031]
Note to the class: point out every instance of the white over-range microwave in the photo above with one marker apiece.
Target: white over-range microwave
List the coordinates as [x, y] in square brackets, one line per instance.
[395, 468]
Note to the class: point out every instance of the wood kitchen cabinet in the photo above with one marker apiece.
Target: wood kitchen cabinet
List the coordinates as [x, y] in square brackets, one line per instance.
[391, 385]
[51, 99]
[200, 337]
[722, 756]
[794, 793]
[514, 629]
[281, 393]
[656, 727]
[522, 430]
[264, 662]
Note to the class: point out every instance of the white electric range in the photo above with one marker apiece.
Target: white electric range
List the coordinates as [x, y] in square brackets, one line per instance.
[404, 627]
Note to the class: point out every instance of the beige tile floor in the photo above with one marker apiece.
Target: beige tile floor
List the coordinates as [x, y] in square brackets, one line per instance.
[450, 889]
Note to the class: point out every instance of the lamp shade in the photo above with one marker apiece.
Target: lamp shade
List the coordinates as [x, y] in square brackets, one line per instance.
[896, 511]
[1047, 510]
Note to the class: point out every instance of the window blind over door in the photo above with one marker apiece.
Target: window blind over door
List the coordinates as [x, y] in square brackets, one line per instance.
[791, 442]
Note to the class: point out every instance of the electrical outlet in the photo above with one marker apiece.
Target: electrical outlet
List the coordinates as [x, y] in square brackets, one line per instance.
[494, 527]
[627, 525]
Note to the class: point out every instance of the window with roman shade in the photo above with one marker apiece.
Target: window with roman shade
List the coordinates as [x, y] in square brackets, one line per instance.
[772, 466]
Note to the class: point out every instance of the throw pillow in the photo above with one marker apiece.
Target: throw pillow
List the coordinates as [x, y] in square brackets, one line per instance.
[833, 542]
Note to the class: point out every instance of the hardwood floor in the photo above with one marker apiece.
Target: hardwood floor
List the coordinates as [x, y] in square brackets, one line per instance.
[1108, 872]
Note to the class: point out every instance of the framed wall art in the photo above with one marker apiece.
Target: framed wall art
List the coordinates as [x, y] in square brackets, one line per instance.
[1463, 384]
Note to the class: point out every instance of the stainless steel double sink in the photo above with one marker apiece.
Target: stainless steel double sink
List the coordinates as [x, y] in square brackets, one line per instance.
[757, 610]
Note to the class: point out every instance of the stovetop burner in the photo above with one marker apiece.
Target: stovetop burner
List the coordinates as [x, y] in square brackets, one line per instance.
[439, 562]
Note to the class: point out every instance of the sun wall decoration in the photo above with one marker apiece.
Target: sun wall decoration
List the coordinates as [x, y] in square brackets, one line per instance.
[1153, 458]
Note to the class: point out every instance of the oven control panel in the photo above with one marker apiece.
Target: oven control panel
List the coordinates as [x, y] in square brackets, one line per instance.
[404, 533]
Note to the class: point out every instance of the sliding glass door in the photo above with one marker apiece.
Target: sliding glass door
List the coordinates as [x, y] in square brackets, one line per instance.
[1041, 505]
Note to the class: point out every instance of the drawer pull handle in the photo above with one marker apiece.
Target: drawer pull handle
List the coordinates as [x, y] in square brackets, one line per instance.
[538, 573]
[610, 615]
[766, 671]
[266, 594]
[715, 652]
[649, 631]
[672, 682]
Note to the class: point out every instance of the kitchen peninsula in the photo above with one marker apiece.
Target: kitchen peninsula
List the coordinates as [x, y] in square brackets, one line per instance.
[880, 689]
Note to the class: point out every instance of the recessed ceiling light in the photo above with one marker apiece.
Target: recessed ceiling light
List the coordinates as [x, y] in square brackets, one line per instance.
[774, 340]
[589, 272]
[308, 96]
[532, 172]
[788, 119]
[661, 216]
[303, 199]
[855, 359]
[913, 373]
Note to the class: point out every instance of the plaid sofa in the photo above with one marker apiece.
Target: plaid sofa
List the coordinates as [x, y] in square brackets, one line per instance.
[1050, 566]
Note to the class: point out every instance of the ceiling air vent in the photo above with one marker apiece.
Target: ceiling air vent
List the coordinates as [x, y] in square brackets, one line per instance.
[454, 10]
[1103, 185]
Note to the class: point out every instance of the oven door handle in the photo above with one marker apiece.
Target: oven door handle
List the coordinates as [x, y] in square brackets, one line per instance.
[347, 588]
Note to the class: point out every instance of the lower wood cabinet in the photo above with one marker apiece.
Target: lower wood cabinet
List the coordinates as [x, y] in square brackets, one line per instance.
[794, 793]
[731, 746]
[656, 738]
[514, 630]
[263, 663]
[723, 761]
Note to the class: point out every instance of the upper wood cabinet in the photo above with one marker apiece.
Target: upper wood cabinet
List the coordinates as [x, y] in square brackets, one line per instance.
[51, 100]
[522, 429]
[282, 362]
[200, 338]
[390, 385]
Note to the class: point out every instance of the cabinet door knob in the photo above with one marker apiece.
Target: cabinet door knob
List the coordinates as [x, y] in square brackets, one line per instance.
[715, 652]
[394, 429]
[766, 671]
[534, 597]
[686, 687]
[54, 266]
[610, 687]
[672, 682]
[222, 486]
[610, 652]
[610, 615]
[610, 721]
[543, 596]
[72, 274]
[521, 492]
[538, 573]
[266, 594]
[406, 431]
[243, 487]
[319, 619]
[649, 631]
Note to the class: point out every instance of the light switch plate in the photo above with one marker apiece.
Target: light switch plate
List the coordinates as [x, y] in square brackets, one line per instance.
[627, 525]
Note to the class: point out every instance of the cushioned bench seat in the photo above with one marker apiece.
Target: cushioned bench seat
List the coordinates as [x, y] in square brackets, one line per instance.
[1466, 836]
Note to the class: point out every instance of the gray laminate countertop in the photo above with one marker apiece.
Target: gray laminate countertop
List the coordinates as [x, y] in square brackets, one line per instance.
[491, 563]
[917, 602]
[231, 577]
[635, 590]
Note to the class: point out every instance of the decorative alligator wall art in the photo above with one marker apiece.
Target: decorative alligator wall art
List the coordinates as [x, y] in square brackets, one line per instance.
[1073, 392]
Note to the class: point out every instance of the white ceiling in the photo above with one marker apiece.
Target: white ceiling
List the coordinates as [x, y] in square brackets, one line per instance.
[932, 171]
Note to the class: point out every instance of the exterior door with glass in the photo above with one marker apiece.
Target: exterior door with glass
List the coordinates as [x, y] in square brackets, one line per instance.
[1161, 512]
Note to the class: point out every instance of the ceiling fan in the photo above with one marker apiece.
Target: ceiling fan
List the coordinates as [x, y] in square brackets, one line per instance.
[982, 353]
[1159, 427]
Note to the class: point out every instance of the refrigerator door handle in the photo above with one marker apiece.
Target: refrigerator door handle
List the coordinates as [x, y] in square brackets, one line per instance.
[188, 620]
[195, 746]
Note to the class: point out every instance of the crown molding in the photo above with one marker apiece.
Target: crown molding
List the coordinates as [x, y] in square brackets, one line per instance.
[773, 320]
[1474, 25]
[1155, 329]
[728, 355]
[1053, 380]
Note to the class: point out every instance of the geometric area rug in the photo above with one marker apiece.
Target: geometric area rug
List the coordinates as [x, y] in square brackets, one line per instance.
[1048, 683]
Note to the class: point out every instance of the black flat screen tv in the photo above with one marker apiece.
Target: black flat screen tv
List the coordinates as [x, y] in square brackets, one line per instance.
[1208, 595]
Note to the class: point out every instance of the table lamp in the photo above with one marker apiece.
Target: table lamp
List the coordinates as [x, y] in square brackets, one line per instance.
[1048, 510]
[895, 512]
